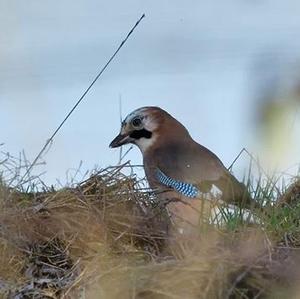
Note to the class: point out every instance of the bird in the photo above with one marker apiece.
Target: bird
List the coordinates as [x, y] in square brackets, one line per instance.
[182, 172]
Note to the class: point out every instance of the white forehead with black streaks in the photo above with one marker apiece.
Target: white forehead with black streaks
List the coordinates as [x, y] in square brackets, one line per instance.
[137, 112]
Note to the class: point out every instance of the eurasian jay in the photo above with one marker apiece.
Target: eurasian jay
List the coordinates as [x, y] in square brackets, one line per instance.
[178, 168]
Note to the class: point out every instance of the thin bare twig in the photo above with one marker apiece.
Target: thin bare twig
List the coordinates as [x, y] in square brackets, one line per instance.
[50, 140]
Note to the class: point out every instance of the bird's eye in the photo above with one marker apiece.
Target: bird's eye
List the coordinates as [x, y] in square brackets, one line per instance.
[136, 122]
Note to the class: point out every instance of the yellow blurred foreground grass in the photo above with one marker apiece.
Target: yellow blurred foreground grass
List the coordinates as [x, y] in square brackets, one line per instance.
[107, 238]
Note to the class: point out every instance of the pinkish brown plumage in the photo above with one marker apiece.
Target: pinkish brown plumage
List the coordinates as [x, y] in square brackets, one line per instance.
[167, 147]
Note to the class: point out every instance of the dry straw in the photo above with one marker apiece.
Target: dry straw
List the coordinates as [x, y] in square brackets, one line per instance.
[107, 238]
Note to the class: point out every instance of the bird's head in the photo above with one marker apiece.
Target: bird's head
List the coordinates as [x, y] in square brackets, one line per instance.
[147, 126]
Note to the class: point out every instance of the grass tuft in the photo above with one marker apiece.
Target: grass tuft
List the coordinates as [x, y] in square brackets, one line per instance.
[107, 238]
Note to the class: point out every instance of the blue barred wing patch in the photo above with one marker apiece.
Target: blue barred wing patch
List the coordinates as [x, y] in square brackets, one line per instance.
[186, 189]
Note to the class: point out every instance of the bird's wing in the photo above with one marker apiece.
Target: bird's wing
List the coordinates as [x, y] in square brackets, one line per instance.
[184, 188]
[190, 165]
[189, 162]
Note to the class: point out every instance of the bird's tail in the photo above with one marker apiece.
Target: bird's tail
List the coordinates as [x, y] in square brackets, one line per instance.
[235, 192]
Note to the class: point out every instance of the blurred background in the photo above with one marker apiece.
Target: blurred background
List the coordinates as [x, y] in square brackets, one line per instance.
[229, 71]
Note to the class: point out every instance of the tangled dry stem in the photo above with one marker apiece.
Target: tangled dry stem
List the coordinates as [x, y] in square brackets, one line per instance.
[107, 238]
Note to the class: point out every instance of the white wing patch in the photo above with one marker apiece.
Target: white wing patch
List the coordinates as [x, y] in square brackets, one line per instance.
[214, 194]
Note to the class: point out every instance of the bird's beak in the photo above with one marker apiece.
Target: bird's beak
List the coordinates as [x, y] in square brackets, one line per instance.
[121, 139]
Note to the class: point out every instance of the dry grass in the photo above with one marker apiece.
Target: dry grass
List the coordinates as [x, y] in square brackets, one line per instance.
[106, 238]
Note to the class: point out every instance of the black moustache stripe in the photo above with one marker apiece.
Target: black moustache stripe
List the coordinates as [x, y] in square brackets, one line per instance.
[138, 134]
